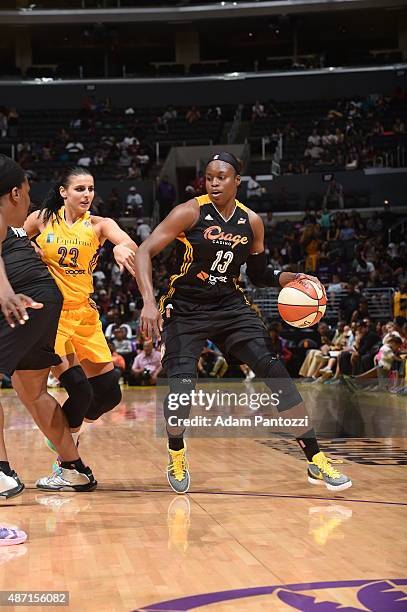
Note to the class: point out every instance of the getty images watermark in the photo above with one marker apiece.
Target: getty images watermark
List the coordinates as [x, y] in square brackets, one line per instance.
[228, 407]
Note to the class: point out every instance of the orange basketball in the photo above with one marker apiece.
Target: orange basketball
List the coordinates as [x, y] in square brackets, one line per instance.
[302, 303]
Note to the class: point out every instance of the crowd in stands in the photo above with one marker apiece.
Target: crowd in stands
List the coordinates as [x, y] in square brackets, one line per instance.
[345, 134]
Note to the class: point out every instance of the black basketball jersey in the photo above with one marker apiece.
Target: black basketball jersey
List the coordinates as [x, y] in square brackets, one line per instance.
[209, 256]
[24, 268]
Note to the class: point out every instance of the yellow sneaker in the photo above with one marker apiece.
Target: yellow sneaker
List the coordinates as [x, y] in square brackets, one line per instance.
[321, 471]
[178, 521]
[177, 471]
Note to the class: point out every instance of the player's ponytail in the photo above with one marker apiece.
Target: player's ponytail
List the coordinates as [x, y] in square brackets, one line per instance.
[53, 199]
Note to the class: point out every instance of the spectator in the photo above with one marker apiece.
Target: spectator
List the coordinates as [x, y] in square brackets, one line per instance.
[319, 355]
[254, 189]
[143, 230]
[73, 148]
[374, 225]
[169, 114]
[360, 358]
[335, 286]
[133, 171]
[313, 152]
[349, 303]
[3, 124]
[314, 140]
[166, 196]
[146, 366]
[118, 361]
[211, 362]
[84, 161]
[134, 201]
[199, 183]
[258, 111]
[13, 119]
[193, 115]
[333, 197]
[346, 232]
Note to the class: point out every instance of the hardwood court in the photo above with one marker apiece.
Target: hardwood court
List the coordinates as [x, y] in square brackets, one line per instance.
[252, 534]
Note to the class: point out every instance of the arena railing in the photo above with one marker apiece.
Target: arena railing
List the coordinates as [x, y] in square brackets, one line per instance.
[379, 299]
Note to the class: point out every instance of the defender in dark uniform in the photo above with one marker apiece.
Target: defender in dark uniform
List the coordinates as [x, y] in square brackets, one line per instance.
[216, 235]
[27, 341]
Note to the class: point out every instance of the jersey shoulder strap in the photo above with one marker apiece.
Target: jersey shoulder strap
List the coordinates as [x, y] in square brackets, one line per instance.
[203, 199]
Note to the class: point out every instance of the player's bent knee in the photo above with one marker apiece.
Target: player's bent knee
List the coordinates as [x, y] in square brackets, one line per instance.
[107, 394]
[80, 395]
[278, 380]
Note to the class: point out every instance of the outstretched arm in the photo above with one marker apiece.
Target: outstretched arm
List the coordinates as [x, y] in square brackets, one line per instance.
[124, 249]
[180, 219]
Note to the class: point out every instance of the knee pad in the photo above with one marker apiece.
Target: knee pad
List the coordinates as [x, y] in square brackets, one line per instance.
[175, 403]
[80, 395]
[278, 380]
[106, 394]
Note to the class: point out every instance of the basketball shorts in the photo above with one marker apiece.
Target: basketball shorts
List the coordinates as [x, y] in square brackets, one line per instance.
[31, 346]
[80, 332]
[187, 326]
[237, 331]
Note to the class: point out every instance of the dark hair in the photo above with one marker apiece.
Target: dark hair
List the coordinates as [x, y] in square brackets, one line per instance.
[53, 200]
[11, 175]
[229, 158]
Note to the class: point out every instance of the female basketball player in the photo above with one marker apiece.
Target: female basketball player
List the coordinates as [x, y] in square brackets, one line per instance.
[70, 239]
[216, 235]
[27, 338]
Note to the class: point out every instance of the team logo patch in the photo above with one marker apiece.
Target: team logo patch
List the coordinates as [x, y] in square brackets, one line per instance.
[50, 238]
[203, 275]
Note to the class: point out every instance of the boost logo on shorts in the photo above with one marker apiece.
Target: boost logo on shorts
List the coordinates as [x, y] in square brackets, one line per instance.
[215, 233]
[74, 272]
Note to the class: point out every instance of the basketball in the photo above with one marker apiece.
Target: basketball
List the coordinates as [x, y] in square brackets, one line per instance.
[302, 303]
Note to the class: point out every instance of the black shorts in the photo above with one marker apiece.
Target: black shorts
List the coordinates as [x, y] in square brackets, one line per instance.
[237, 331]
[31, 346]
[188, 325]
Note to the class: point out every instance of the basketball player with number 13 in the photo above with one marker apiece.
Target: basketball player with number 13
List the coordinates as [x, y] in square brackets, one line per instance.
[215, 236]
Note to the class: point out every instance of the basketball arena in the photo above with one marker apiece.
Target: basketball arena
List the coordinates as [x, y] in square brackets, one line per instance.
[203, 305]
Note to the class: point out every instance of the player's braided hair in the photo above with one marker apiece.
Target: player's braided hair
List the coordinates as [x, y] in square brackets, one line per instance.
[53, 200]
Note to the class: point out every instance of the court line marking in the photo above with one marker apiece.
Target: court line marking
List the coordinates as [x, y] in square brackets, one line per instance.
[235, 493]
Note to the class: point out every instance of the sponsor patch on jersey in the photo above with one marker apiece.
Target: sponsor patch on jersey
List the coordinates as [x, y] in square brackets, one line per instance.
[74, 272]
[215, 233]
[241, 220]
[216, 279]
[50, 238]
[202, 275]
[208, 218]
[87, 224]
